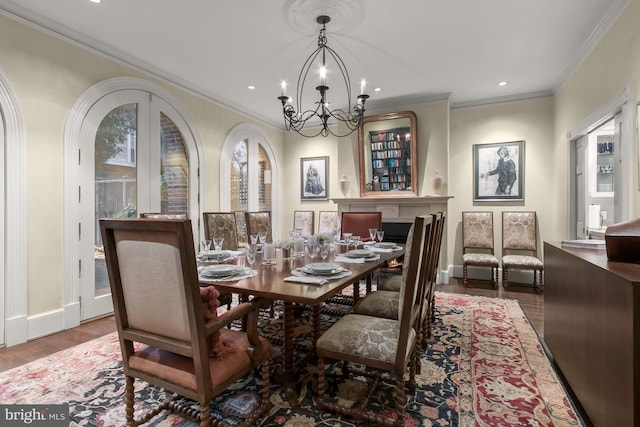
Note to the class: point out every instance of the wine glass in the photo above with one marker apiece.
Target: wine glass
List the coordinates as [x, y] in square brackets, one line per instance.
[324, 251]
[355, 240]
[206, 245]
[250, 254]
[347, 239]
[262, 238]
[372, 234]
[217, 243]
[380, 234]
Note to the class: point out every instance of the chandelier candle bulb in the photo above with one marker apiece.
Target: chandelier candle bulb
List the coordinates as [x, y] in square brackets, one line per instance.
[363, 84]
[284, 89]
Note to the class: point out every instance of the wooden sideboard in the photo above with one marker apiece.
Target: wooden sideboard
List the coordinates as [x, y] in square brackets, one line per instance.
[592, 328]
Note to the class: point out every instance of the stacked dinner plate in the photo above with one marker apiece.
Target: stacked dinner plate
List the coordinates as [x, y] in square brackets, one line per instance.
[361, 253]
[222, 271]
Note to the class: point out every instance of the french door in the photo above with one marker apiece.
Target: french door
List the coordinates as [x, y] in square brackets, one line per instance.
[135, 156]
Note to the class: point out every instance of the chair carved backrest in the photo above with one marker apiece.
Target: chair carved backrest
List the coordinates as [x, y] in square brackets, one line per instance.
[328, 222]
[241, 228]
[477, 230]
[259, 222]
[303, 220]
[519, 232]
[359, 223]
[163, 215]
[221, 224]
[170, 334]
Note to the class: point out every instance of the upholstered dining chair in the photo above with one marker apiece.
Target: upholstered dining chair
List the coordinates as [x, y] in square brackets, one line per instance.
[303, 220]
[221, 224]
[241, 228]
[258, 222]
[477, 237]
[520, 246]
[328, 222]
[170, 333]
[359, 223]
[382, 346]
[163, 215]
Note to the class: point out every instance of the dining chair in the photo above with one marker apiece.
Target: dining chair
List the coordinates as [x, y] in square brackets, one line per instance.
[163, 215]
[221, 224]
[328, 222]
[384, 346]
[477, 237]
[520, 246]
[428, 317]
[303, 220]
[258, 222]
[241, 228]
[170, 333]
[359, 223]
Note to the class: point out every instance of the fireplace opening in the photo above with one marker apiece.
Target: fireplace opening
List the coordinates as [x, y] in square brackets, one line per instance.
[395, 232]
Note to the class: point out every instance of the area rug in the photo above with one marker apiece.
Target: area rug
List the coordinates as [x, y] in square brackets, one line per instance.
[484, 367]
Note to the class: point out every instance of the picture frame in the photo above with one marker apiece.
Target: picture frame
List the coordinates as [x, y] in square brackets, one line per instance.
[498, 171]
[314, 172]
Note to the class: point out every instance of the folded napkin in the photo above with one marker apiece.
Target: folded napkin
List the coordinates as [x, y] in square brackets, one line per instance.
[347, 260]
[306, 279]
[380, 250]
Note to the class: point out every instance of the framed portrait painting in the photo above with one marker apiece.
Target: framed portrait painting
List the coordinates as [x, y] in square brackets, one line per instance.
[498, 171]
[313, 178]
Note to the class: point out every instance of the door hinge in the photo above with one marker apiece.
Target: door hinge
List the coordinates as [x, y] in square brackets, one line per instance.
[79, 268]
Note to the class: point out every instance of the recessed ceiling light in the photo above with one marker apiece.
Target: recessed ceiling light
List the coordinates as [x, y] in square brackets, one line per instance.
[95, 1]
[503, 83]
[378, 89]
[251, 87]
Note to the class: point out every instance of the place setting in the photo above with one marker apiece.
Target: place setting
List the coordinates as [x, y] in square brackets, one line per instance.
[225, 273]
[318, 273]
[217, 255]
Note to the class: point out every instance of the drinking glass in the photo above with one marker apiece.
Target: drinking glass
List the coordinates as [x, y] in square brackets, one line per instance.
[217, 243]
[268, 253]
[324, 251]
[250, 254]
[356, 241]
[380, 234]
[347, 239]
[262, 239]
[372, 234]
[206, 245]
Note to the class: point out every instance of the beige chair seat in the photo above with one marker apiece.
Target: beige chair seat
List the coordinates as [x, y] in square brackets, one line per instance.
[485, 260]
[379, 303]
[392, 283]
[522, 261]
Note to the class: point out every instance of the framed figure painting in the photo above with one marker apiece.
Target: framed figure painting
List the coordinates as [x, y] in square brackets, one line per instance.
[498, 171]
[313, 178]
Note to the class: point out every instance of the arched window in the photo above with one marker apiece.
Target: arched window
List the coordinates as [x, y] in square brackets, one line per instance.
[134, 152]
[248, 164]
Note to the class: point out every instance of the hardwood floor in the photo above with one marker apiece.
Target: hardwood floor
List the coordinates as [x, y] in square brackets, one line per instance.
[531, 303]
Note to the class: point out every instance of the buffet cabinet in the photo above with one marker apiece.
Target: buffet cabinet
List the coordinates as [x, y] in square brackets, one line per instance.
[592, 329]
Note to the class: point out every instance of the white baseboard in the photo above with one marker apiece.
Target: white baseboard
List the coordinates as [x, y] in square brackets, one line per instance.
[16, 330]
[46, 324]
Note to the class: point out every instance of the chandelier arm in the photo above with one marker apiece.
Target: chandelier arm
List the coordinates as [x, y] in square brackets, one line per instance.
[343, 70]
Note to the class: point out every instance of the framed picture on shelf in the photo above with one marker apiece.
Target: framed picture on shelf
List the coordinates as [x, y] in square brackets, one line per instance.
[498, 171]
[314, 184]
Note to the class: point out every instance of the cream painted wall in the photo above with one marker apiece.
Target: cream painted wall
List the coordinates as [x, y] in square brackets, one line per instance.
[613, 64]
[48, 75]
[531, 121]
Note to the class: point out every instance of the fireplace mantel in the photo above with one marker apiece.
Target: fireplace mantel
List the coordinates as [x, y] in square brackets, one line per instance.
[394, 209]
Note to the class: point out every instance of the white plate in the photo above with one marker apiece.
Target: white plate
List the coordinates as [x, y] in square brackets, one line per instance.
[322, 267]
[385, 245]
[215, 255]
[360, 253]
[221, 270]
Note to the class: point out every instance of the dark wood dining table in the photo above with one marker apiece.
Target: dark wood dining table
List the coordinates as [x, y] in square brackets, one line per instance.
[269, 283]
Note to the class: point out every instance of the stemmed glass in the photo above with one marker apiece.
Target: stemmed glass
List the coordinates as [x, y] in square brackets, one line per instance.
[217, 243]
[262, 238]
[380, 234]
[250, 254]
[324, 251]
[206, 245]
[347, 239]
[372, 234]
[356, 241]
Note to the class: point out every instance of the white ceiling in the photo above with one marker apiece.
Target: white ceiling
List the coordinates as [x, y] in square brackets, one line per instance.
[415, 50]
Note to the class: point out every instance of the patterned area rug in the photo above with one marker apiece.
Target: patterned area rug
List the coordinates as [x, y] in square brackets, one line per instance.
[484, 367]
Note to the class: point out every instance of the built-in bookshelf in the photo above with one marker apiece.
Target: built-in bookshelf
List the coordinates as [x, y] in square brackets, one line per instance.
[391, 159]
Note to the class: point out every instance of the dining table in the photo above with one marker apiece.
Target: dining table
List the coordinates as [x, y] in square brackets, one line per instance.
[281, 280]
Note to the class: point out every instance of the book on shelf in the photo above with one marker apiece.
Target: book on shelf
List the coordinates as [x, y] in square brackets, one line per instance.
[584, 244]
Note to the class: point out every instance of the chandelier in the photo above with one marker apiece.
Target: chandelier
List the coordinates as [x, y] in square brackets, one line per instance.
[296, 118]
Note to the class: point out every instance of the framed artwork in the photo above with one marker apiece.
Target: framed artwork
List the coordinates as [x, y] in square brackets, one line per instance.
[314, 184]
[498, 171]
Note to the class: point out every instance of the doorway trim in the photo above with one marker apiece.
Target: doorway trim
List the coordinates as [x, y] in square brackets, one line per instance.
[13, 213]
[624, 105]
